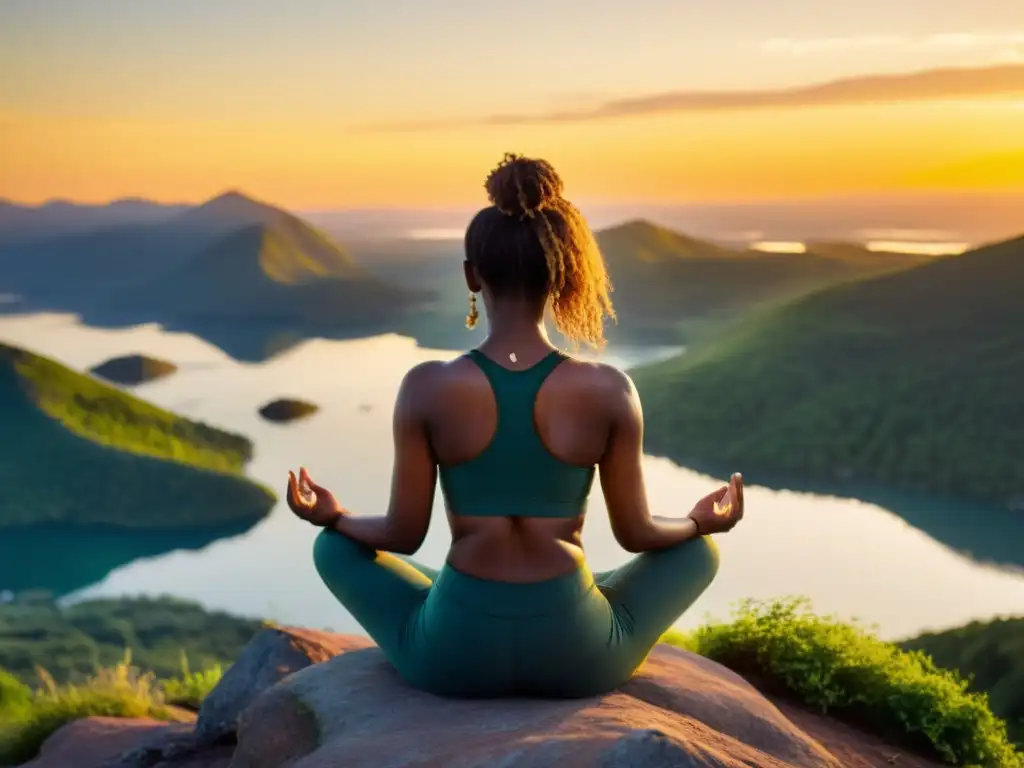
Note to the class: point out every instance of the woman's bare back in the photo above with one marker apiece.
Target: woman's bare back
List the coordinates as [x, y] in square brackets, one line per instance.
[573, 420]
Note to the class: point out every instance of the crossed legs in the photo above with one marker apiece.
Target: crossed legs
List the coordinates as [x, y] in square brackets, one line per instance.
[629, 611]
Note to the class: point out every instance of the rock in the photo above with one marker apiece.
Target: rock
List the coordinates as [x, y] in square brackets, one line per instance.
[130, 370]
[285, 410]
[111, 742]
[308, 699]
[680, 710]
[269, 657]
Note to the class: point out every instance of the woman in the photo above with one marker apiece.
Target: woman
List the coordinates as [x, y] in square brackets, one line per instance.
[516, 429]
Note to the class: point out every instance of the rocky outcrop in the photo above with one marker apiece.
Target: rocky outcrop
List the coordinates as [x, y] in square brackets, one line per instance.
[681, 711]
[285, 410]
[308, 699]
[269, 657]
[112, 742]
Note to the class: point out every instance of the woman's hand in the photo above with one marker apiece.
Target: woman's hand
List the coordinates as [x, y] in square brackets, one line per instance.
[312, 502]
[719, 511]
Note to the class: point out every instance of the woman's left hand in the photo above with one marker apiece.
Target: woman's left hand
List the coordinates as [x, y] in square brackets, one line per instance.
[312, 502]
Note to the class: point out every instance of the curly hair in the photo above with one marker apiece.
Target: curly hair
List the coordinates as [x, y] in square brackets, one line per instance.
[535, 244]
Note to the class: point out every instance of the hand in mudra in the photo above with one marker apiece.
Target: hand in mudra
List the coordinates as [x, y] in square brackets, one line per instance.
[312, 502]
[719, 511]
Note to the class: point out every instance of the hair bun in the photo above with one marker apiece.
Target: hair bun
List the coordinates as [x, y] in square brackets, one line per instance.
[523, 186]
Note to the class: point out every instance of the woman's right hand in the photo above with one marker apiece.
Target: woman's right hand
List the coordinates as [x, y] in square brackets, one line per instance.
[313, 503]
[719, 511]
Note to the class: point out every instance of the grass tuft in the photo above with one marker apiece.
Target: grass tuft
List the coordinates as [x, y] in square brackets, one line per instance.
[844, 669]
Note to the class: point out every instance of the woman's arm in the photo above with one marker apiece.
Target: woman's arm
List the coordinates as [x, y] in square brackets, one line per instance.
[622, 480]
[622, 477]
[413, 478]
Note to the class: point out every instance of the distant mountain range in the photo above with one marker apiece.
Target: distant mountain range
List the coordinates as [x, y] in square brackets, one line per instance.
[665, 281]
[61, 217]
[233, 258]
[909, 381]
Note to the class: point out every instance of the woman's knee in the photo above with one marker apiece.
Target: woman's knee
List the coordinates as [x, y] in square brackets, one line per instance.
[709, 557]
[333, 552]
[699, 558]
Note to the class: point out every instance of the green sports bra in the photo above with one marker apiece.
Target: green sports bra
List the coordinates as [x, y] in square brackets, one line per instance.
[516, 475]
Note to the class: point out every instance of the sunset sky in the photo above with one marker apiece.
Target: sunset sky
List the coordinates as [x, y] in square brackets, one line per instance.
[356, 103]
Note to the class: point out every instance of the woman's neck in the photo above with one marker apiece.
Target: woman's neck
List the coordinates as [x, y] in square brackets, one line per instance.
[520, 335]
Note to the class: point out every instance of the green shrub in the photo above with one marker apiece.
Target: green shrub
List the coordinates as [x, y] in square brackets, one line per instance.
[15, 696]
[844, 669]
[990, 655]
[28, 718]
[115, 692]
[191, 688]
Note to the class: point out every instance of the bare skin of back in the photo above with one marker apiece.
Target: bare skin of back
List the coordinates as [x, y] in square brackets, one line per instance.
[585, 414]
[574, 415]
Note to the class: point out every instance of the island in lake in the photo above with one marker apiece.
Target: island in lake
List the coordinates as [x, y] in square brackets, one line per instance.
[78, 455]
[131, 370]
[78, 451]
[286, 409]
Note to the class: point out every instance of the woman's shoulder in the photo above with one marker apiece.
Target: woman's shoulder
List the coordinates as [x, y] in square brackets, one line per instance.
[600, 386]
[604, 376]
[430, 375]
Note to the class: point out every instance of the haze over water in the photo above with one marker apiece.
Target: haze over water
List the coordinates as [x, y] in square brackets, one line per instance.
[851, 558]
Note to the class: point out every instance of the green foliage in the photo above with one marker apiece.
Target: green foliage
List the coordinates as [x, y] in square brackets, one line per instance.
[117, 691]
[844, 669]
[14, 694]
[191, 688]
[991, 656]
[165, 635]
[105, 415]
[908, 381]
[78, 451]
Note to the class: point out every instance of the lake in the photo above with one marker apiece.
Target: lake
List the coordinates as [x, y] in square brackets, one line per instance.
[851, 558]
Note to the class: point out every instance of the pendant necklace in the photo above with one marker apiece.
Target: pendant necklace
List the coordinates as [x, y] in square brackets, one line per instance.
[512, 356]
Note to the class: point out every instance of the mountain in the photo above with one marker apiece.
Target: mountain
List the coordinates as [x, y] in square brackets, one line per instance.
[643, 241]
[78, 452]
[75, 268]
[665, 281]
[231, 259]
[281, 271]
[228, 211]
[669, 288]
[62, 218]
[908, 381]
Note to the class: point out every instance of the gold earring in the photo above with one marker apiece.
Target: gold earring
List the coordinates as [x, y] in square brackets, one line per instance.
[473, 315]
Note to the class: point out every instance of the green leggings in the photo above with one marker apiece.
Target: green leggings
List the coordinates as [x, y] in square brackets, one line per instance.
[453, 634]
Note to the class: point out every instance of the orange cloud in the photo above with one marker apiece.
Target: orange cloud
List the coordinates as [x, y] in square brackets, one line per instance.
[927, 85]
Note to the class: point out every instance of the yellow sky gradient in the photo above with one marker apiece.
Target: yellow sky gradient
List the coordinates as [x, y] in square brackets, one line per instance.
[974, 145]
[323, 104]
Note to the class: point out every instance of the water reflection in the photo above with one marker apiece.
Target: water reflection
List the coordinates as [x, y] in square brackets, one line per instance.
[987, 535]
[64, 559]
[852, 557]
